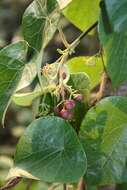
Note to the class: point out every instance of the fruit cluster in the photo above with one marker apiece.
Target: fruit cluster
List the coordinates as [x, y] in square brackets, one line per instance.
[65, 109]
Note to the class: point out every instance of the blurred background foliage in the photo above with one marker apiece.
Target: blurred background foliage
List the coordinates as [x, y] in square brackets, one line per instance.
[18, 118]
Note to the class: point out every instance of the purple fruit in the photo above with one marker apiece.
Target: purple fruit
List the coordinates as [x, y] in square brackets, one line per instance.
[66, 114]
[79, 97]
[69, 104]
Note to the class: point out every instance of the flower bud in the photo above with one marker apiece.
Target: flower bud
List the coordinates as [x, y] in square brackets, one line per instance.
[79, 97]
[69, 104]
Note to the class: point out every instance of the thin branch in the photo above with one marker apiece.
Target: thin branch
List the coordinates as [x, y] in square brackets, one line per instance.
[71, 47]
[102, 86]
[54, 186]
[64, 186]
[88, 30]
[29, 184]
[102, 58]
[85, 33]
[63, 38]
[12, 183]
[81, 185]
[101, 91]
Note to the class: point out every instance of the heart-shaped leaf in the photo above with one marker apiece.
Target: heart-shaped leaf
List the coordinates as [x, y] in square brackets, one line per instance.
[26, 99]
[80, 81]
[104, 136]
[82, 13]
[50, 151]
[29, 74]
[92, 66]
[40, 22]
[115, 47]
[117, 12]
[63, 3]
[12, 63]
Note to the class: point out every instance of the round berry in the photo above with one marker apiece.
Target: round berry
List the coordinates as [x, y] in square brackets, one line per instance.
[69, 104]
[79, 97]
[64, 113]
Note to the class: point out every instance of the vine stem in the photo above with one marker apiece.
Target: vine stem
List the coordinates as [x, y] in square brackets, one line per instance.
[64, 186]
[71, 47]
[54, 186]
[68, 51]
[76, 42]
[81, 185]
[63, 38]
[101, 91]
[29, 184]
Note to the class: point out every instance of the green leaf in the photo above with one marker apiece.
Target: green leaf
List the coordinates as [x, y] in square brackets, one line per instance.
[29, 73]
[91, 187]
[35, 185]
[82, 13]
[117, 14]
[40, 21]
[105, 18]
[50, 151]
[26, 99]
[79, 112]
[63, 3]
[104, 137]
[11, 67]
[80, 81]
[116, 55]
[92, 66]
